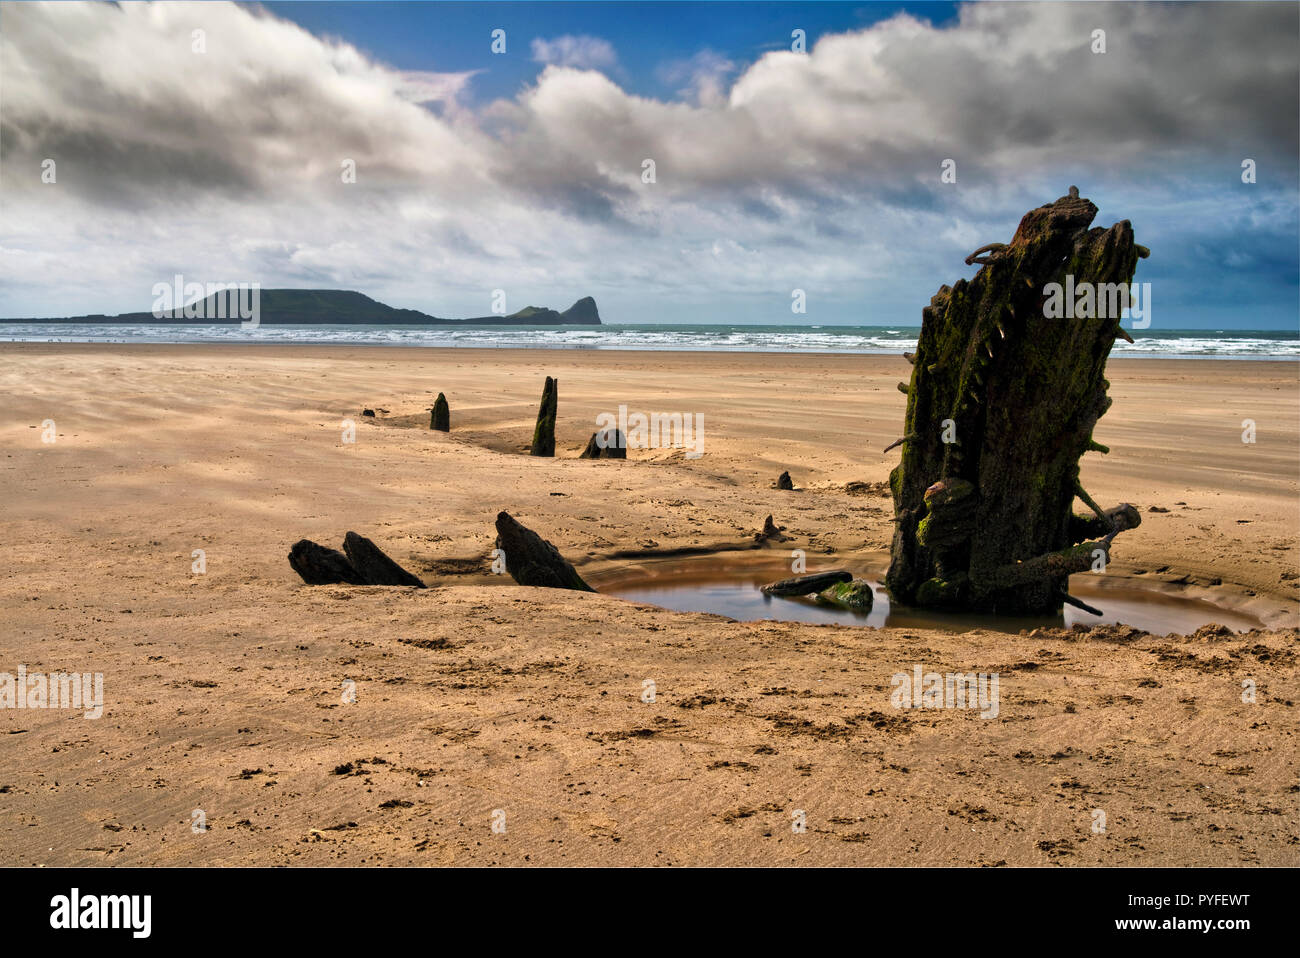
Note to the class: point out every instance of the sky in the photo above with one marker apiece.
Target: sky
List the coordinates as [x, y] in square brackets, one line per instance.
[134, 149]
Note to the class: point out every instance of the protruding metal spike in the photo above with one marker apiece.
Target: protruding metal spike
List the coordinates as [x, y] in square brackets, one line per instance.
[905, 389]
[1078, 603]
[910, 357]
[1087, 500]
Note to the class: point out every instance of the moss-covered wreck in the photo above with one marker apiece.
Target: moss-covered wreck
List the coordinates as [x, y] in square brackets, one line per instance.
[1001, 407]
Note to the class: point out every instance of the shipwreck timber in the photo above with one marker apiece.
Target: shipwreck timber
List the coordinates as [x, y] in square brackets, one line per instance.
[1001, 406]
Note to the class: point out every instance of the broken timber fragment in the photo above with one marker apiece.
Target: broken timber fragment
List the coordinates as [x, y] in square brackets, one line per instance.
[373, 566]
[1113, 521]
[995, 529]
[606, 444]
[544, 431]
[531, 560]
[320, 565]
[992, 249]
[857, 595]
[770, 531]
[440, 415]
[807, 584]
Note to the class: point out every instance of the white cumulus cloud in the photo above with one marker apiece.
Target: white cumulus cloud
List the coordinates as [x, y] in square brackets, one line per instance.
[818, 171]
[582, 52]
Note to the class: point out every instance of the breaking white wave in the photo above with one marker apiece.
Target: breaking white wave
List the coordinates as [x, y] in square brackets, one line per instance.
[709, 338]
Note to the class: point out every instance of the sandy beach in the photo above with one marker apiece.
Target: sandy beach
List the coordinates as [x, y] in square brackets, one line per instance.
[479, 701]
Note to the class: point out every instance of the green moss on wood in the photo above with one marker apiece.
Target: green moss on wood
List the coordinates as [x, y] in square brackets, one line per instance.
[1024, 393]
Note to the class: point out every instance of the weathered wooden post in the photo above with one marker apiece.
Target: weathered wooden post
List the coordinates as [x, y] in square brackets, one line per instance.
[544, 431]
[1001, 406]
[440, 415]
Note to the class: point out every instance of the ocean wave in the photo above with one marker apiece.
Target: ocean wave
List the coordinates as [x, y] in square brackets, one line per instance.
[708, 338]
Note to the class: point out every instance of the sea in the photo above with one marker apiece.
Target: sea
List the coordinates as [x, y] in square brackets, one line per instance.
[1163, 343]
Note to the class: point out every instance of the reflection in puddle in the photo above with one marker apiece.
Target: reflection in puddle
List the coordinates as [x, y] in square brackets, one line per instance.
[732, 589]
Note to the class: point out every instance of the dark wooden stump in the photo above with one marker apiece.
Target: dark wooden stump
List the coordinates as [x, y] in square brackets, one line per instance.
[319, 565]
[544, 431]
[1001, 406]
[606, 444]
[531, 560]
[440, 415]
[771, 531]
[373, 566]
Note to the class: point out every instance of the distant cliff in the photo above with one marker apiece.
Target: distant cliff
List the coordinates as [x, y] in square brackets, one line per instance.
[583, 313]
[316, 307]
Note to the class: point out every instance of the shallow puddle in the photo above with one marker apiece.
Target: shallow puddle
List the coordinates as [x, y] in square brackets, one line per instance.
[730, 587]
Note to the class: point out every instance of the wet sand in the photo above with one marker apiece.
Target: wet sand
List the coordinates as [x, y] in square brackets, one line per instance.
[223, 691]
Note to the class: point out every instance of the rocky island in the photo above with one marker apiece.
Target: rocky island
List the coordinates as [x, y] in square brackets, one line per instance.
[314, 307]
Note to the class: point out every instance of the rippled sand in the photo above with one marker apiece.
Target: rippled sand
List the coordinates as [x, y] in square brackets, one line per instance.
[224, 691]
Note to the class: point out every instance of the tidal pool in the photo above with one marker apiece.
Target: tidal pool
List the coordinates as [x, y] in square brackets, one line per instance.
[730, 586]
